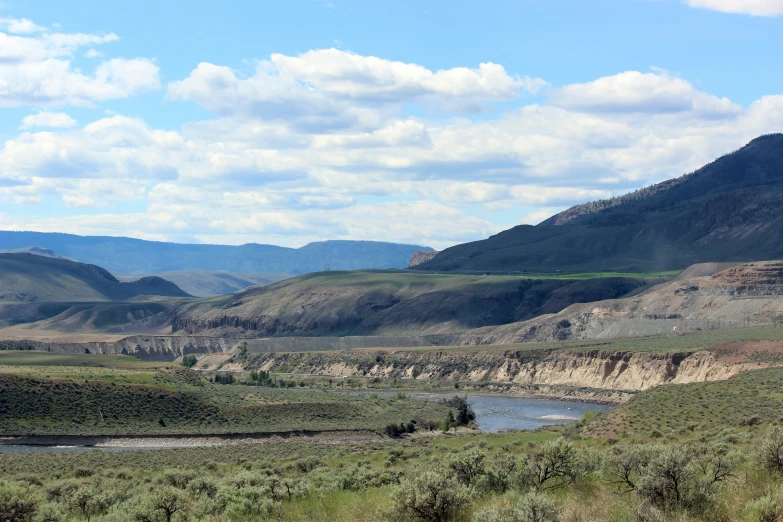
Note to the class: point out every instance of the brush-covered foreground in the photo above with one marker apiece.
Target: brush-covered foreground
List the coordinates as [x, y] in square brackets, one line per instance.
[724, 467]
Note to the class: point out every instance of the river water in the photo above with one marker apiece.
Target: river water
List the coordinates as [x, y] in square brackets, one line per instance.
[493, 413]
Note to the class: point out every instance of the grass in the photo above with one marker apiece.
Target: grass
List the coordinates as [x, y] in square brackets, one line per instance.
[116, 395]
[35, 358]
[748, 399]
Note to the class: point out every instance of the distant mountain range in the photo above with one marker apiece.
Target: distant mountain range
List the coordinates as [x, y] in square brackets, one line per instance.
[203, 283]
[729, 210]
[135, 256]
[36, 278]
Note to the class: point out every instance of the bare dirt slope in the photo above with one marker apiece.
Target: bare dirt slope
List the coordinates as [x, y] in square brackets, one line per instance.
[746, 294]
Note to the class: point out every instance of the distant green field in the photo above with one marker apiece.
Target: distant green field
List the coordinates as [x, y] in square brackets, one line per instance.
[35, 358]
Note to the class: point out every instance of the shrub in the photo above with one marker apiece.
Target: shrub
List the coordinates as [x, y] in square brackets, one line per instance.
[499, 476]
[764, 509]
[467, 467]
[17, 502]
[428, 497]
[248, 503]
[532, 507]
[770, 453]
[189, 361]
[551, 465]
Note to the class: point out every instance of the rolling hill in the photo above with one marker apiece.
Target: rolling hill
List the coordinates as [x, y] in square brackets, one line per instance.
[36, 278]
[388, 303]
[729, 210]
[135, 256]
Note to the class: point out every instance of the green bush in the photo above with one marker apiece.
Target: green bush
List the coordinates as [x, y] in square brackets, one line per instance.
[552, 465]
[428, 497]
[770, 452]
[189, 361]
[18, 502]
[764, 509]
[532, 507]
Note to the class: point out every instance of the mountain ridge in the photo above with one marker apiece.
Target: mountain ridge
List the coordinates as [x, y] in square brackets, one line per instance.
[138, 256]
[728, 210]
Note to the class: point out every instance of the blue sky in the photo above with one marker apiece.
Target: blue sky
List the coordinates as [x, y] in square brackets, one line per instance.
[424, 122]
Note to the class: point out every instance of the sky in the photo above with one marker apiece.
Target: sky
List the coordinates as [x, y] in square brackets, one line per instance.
[422, 122]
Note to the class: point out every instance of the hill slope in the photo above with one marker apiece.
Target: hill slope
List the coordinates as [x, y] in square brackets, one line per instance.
[135, 256]
[729, 210]
[35, 278]
[388, 303]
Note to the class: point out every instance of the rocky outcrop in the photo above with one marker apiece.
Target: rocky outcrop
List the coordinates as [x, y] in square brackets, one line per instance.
[421, 256]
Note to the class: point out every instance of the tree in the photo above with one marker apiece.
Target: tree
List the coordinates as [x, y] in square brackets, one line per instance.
[189, 361]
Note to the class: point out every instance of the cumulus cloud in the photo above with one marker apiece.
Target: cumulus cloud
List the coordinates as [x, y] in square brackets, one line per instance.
[749, 7]
[36, 69]
[20, 25]
[319, 146]
[330, 88]
[634, 91]
[48, 119]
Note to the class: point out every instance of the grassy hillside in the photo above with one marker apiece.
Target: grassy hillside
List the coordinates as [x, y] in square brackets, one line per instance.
[135, 256]
[390, 303]
[748, 399]
[203, 283]
[35, 278]
[109, 395]
[729, 210]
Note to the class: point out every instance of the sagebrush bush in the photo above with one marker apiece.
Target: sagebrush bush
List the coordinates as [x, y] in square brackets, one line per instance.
[428, 497]
[763, 509]
[532, 507]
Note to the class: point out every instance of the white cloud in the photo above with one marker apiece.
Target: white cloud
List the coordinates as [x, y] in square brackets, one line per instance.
[36, 69]
[93, 53]
[48, 119]
[318, 146]
[20, 25]
[331, 88]
[633, 91]
[750, 7]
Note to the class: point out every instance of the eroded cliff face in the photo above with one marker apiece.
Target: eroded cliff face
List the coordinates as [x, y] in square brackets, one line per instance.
[147, 347]
[626, 371]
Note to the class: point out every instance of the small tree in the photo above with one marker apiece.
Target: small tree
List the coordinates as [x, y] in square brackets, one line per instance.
[551, 465]
[189, 361]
